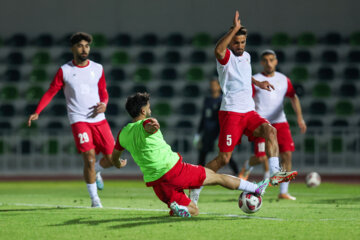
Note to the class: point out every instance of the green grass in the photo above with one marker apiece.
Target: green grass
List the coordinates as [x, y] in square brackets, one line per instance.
[41, 210]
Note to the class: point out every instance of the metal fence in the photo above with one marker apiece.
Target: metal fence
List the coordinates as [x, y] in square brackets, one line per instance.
[330, 150]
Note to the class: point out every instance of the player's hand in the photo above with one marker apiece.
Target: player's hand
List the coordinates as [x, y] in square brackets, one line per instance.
[32, 117]
[152, 126]
[266, 86]
[120, 163]
[98, 108]
[302, 126]
[236, 22]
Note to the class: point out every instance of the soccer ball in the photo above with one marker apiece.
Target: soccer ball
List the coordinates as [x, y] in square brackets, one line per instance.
[249, 203]
[313, 179]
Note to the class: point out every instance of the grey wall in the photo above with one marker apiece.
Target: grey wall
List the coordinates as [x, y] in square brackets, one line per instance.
[164, 16]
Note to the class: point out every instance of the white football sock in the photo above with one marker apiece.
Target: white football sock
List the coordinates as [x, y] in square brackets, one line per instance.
[247, 186]
[92, 189]
[98, 167]
[267, 174]
[284, 187]
[274, 165]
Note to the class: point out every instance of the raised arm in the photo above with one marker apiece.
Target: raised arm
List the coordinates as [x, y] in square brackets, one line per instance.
[221, 46]
[295, 102]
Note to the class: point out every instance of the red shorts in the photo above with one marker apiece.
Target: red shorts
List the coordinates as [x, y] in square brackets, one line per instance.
[98, 135]
[170, 187]
[284, 138]
[233, 125]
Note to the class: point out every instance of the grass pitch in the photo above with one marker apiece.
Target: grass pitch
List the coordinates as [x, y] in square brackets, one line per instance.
[59, 210]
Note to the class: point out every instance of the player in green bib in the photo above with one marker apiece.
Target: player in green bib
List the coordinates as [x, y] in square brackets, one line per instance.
[164, 169]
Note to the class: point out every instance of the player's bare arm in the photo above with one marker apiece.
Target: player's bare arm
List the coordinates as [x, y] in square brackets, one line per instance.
[221, 46]
[152, 125]
[295, 103]
[32, 117]
[263, 85]
[116, 160]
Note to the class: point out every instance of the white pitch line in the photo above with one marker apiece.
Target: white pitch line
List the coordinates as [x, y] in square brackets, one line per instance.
[140, 209]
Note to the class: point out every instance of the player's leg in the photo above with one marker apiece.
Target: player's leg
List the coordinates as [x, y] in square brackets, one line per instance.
[286, 164]
[234, 167]
[104, 162]
[90, 177]
[219, 161]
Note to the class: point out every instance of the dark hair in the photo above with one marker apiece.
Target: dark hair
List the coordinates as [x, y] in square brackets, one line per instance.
[135, 102]
[242, 31]
[79, 36]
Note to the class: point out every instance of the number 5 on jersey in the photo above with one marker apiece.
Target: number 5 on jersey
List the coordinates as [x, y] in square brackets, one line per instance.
[228, 140]
[84, 138]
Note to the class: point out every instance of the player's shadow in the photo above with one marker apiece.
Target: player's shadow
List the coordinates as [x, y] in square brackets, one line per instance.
[30, 209]
[338, 201]
[136, 221]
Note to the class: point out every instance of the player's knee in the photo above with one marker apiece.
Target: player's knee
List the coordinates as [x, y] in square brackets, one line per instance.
[262, 159]
[271, 132]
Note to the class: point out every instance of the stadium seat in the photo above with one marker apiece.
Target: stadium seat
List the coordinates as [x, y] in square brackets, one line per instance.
[299, 89]
[17, 40]
[39, 75]
[114, 91]
[146, 57]
[321, 90]
[168, 74]
[182, 145]
[340, 123]
[306, 39]
[29, 109]
[344, 108]
[172, 57]
[329, 56]
[191, 91]
[288, 109]
[51, 147]
[149, 40]
[58, 110]
[120, 58]
[184, 124]
[299, 74]
[64, 41]
[166, 91]
[117, 75]
[201, 40]
[25, 146]
[195, 74]
[303, 56]
[54, 126]
[355, 39]
[96, 56]
[5, 125]
[313, 123]
[254, 39]
[99, 40]
[112, 109]
[309, 145]
[337, 145]
[280, 39]
[351, 74]
[12, 75]
[354, 56]
[325, 73]
[332, 38]
[142, 75]
[254, 56]
[65, 57]
[41, 58]
[280, 55]
[123, 40]
[34, 93]
[44, 40]
[9, 93]
[161, 109]
[198, 56]
[318, 108]
[188, 109]
[7, 110]
[139, 88]
[348, 90]
[15, 58]
[175, 40]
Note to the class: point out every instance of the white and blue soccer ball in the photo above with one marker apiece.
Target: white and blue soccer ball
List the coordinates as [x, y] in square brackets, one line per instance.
[313, 179]
[249, 203]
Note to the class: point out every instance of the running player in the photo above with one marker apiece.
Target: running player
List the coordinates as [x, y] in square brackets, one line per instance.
[84, 86]
[270, 106]
[164, 169]
[237, 114]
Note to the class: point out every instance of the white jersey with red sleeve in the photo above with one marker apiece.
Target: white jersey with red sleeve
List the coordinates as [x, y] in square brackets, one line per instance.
[270, 104]
[235, 81]
[83, 87]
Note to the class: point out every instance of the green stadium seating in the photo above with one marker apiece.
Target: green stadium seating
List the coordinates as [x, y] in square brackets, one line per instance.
[355, 39]
[337, 145]
[191, 91]
[326, 73]
[280, 39]
[166, 91]
[188, 109]
[329, 56]
[18, 40]
[114, 91]
[321, 90]
[99, 40]
[138, 88]
[202, 40]
[41, 58]
[120, 58]
[318, 108]
[303, 56]
[44, 40]
[306, 39]
[351, 74]
[169, 74]
[15, 58]
[175, 40]
[39, 75]
[309, 145]
[34, 93]
[288, 109]
[173, 57]
[195, 74]
[117, 75]
[12, 75]
[332, 38]
[146, 57]
[299, 74]
[348, 90]
[142, 75]
[344, 108]
[123, 40]
[161, 109]
[9, 93]
[149, 40]
[198, 57]
[51, 147]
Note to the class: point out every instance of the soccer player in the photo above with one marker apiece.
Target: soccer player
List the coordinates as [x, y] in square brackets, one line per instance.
[270, 106]
[164, 169]
[84, 86]
[209, 128]
[237, 114]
